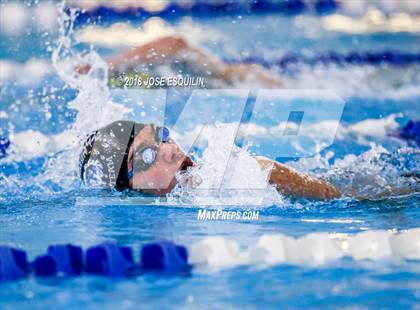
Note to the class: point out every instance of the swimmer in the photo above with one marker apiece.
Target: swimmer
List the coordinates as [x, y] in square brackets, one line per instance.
[176, 52]
[143, 157]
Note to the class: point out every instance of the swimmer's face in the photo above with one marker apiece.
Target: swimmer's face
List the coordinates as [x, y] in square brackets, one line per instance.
[159, 178]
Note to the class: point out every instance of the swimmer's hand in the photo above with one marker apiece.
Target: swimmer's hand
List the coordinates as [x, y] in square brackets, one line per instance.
[83, 69]
[292, 183]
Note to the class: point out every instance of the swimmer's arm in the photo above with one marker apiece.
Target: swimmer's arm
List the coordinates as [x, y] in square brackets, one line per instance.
[158, 51]
[290, 182]
[253, 72]
[153, 52]
[176, 48]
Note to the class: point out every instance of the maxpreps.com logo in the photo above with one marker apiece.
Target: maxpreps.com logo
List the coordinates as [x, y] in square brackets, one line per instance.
[221, 215]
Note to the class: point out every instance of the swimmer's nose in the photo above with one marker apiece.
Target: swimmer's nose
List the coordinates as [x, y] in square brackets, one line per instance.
[168, 152]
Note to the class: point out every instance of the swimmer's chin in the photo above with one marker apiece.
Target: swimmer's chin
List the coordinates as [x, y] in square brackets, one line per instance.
[183, 165]
[158, 191]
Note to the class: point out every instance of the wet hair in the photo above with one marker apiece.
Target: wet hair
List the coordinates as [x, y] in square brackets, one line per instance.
[103, 161]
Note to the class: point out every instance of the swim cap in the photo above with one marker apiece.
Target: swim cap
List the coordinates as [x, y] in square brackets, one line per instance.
[103, 161]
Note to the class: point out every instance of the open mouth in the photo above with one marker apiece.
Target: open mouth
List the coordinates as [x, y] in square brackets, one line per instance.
[177, 155]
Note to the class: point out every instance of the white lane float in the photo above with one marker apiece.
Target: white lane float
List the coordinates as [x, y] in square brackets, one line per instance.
[315, 249]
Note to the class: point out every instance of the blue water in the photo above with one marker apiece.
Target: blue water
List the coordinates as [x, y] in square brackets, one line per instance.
[37, 210]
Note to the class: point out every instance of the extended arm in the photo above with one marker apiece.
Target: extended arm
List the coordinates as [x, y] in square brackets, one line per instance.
[161, 50]
[174, 48]
[290, 182]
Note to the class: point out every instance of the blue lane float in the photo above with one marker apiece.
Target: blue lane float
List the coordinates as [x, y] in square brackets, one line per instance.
[44, 266]
[324, 7]
[13, 264]
[105, 259]
[176, 10]
[332, 58]
[411, 132]
[66, 260]
[164, 256]
[109, 259]
[4, 145]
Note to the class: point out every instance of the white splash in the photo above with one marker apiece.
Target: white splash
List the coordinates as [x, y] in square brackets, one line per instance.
[380, 128]
[93, 102]
[378, 82]
[375, 174]
[225, 174]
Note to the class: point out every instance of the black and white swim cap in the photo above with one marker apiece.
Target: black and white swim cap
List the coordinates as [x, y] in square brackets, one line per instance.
[103, 161]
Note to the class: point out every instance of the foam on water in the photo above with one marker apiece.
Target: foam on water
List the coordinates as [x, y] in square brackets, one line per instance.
[93, 102]
[31, 143]
[379, 82]
[376, 173]
[222, 170]
[315, 249]
[28, 73]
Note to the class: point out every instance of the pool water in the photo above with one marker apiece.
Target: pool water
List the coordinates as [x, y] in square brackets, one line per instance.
[42, 202]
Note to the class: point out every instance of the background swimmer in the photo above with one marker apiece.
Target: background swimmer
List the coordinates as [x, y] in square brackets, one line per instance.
[176, 52]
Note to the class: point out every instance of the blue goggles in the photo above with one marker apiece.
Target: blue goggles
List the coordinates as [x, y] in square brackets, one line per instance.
[145, 157]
